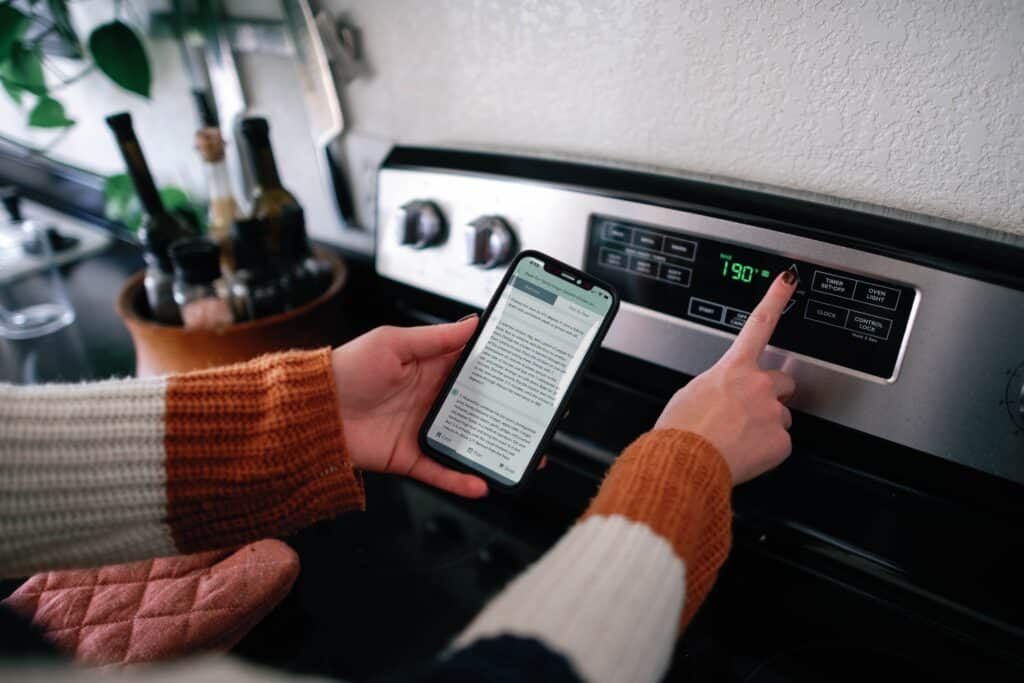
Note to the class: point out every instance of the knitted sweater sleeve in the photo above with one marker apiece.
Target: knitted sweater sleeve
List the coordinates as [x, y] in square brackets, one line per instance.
[609, 600]
[127, 469]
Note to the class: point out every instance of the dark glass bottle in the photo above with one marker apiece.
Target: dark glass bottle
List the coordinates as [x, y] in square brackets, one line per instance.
[159, 228]
[196, 269]
[270, 200]
[255, 289]
[302, 276]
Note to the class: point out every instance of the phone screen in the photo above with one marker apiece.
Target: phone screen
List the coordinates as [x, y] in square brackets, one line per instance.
[515, 376]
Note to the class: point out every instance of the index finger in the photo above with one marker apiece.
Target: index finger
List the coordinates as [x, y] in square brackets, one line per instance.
[762, 321]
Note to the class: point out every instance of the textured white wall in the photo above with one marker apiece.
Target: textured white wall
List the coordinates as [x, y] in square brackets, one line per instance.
[917, 105]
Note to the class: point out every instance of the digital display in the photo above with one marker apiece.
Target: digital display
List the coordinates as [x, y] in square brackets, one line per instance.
[741, 272]
[518, 371]
[836, 316]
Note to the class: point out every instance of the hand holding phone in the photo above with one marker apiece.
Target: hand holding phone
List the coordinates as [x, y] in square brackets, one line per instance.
[502, 402]
[386, 380]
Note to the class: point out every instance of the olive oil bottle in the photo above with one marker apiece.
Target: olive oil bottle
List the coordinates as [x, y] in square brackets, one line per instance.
[159, 228]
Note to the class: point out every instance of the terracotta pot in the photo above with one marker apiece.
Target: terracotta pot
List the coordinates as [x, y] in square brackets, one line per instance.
[162, 349]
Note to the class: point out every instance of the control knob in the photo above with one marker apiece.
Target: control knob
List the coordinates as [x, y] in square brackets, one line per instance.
[490, 242]
[422, 224]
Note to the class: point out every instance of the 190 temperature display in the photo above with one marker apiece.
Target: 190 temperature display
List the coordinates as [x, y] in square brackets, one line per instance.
[740, 272]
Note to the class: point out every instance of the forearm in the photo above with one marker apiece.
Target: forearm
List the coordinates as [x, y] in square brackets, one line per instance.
[611, 597]
[127, 469]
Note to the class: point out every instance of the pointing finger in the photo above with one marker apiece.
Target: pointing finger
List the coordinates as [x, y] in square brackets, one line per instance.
[762, 321]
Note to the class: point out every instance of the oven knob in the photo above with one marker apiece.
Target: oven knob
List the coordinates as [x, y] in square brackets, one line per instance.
[489, 242]
[422, 224]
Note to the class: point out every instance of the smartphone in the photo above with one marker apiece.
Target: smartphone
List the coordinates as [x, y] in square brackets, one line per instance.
[503, 399]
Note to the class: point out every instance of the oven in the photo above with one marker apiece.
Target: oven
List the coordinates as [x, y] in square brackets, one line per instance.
[890, 541]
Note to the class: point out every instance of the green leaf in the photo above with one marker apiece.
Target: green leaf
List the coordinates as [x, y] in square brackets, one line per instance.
[118, 52]
[174, 198]
[12, 90]
[178, 202]
[49, 113]
[118, 187]
[13, 24]
[121, 204]
[119, 201]
[24, 70]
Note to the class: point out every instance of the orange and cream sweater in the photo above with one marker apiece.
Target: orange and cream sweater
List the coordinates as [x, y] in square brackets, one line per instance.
[122, 470]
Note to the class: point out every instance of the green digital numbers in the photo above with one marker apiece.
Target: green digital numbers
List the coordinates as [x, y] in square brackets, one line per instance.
[734, 270]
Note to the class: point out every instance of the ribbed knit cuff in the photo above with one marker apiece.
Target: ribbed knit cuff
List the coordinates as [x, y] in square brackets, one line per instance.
[255, 450]
[679, 485]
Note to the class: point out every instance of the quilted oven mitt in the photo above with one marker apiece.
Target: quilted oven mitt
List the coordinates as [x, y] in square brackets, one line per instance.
[158, 609]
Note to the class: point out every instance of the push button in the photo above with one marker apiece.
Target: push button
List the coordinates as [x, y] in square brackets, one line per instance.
[706, 310]
[616, 232]
[615, 259]
[643, 266]
[830, 283]
[877, 295]
[676, 275]
[736, 318]
[869, 324]
[680, 248]
[828, 314]
[648, 240]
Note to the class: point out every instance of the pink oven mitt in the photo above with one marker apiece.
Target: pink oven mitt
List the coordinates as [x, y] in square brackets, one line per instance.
[158, 609]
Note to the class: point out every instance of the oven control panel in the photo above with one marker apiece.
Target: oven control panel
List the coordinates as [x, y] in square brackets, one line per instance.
[914, 354]
[835, 316]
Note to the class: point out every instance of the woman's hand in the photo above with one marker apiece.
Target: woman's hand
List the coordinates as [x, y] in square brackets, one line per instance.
[386, 381]
[737, 406]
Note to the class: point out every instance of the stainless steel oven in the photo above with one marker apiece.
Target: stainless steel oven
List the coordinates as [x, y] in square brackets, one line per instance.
[890, 541]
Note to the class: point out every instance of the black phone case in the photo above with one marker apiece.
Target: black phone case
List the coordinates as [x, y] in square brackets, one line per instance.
[493, 483]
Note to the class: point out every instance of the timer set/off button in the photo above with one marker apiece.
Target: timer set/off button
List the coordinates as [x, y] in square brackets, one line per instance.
[846, 287]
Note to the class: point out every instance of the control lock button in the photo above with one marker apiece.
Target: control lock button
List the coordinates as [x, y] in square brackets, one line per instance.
[876, 295]
[706, 310]
[869, 324]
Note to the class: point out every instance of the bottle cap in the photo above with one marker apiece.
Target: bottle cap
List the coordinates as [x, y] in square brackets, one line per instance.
[121, 124]
[196, 261]
[255, 128]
